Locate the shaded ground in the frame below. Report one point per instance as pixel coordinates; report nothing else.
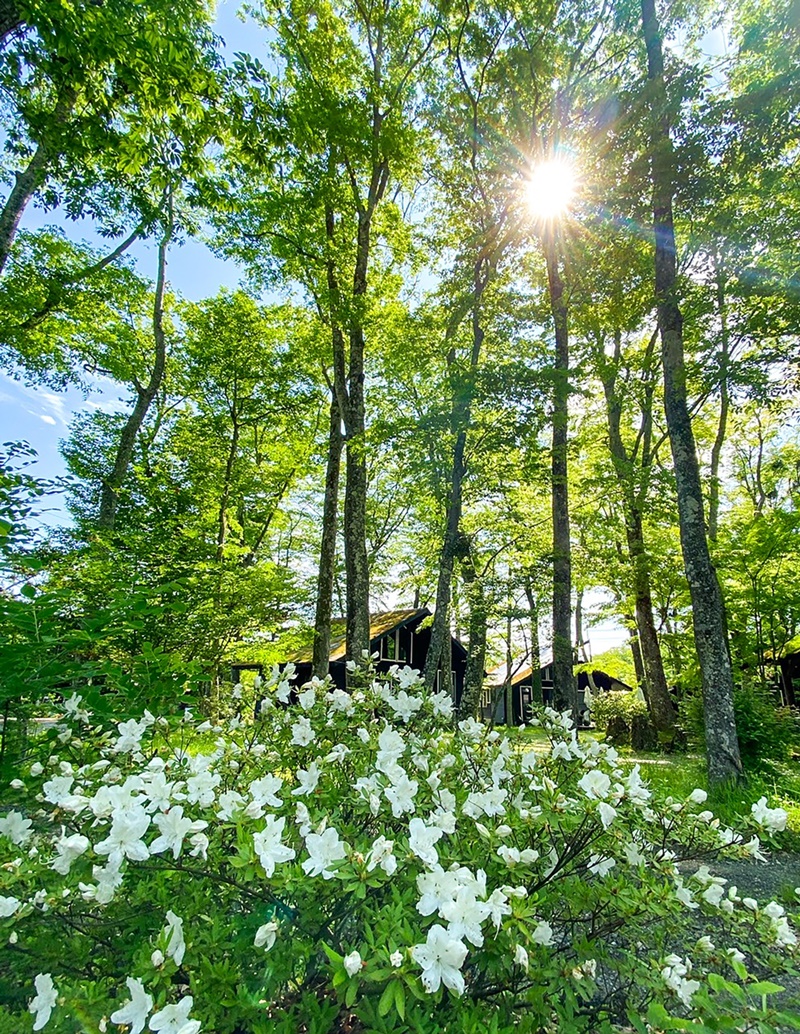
(763, 881)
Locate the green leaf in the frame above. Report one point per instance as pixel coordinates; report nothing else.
(765, 987)
(387, 998)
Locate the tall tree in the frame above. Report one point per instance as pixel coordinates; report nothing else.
(708, 608)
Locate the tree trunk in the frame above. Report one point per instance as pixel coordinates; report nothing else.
(327, 552)
(654, 682)
(27, 182)
(536, 656)
(724, 403)
(109, 495)
(476, 658)
(565, 690)
(224, 503)
(460, 418)
(440, 629)
(708, 610)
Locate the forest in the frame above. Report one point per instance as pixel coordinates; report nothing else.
(515, 339)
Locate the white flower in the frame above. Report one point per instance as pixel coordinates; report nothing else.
(713, 894)
(396, 959)
(199, 844)
(465, 914)
(228, 803)
(471, 729)
(542, 934)
(441, 959)
(560, 752)
(772, 819)
(601, 866)
(705, 943)
(41, 1005)
(8, 906)
(200, 788)
(498, 907)
(607, 814)
(421, 840)
(674, 975)
(266, 935)
(173, 828)
(698, 796)
(489, 802)
(176, 945)
(308, 780)
(352, 963)
(136, 1009)
(268, 846)
(302, 733)
(157, 958)
(401, 793)
(381, 855)
(264, 791)
(69, 848)
(323, 849)
(174, 1019)
(390, 749)
(404, 706)
(125, 839)
(16, 827)
(521, 957)
(442, 704)
(130, 736)
(595, 783)
(437, 888)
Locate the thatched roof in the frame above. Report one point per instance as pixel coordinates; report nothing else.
(379, 625)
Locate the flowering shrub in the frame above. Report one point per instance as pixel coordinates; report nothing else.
(352, 863)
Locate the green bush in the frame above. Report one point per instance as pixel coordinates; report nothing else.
(767, 732)
(356, 863)
(606, 706)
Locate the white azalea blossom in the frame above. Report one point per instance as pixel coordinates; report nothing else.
(135, 1011)
(176, 945)
(8, 906)
(174, 827)
(352, 963)
(268, 846)
(16, 827)
(440, 958)
(302, 732)
(266, 935)
(44, 1001)
(323, 851)
(68, 849)
(772, 819)
(174, 1019)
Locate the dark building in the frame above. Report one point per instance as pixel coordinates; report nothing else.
(494, 700)
(397, 639)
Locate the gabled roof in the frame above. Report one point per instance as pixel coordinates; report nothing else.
(379, 625)
(499, 676)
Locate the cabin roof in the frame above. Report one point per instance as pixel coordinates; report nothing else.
(379, 625)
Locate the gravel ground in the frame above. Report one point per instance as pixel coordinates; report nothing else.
(760, 880)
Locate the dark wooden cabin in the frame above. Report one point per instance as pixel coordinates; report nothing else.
(493, 702)
(397, 639)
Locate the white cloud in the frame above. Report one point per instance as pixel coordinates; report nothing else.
(47, 419)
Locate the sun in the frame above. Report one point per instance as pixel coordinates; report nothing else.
(550, 188)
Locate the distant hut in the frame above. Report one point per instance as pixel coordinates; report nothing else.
(398, 640)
